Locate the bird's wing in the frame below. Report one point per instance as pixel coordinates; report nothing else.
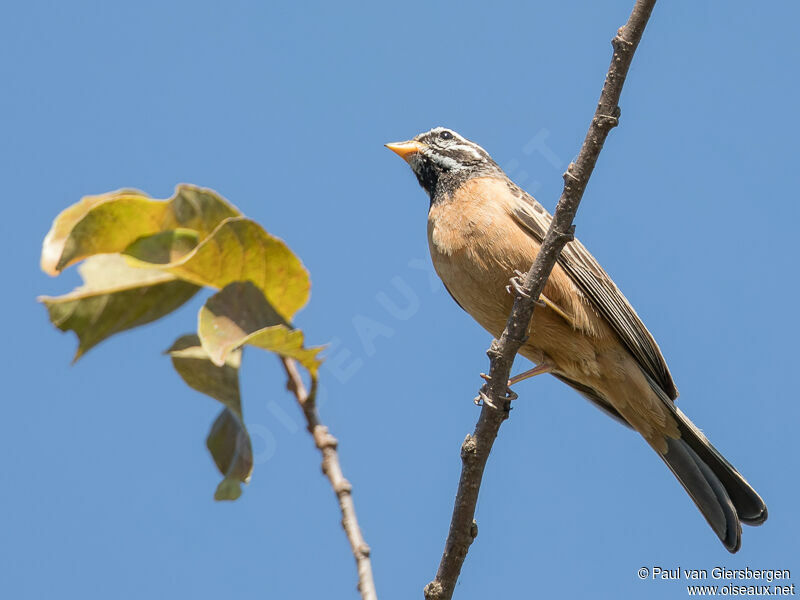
(601, 291)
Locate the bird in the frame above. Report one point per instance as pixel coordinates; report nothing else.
(483, 232)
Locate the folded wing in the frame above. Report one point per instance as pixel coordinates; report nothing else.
(601, 292)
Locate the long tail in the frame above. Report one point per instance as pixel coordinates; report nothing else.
(719, 491)
(723, 496)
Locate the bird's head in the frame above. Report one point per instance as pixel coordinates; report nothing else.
(441, 158)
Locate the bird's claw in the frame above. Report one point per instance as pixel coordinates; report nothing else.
(482, 399)
(519, 288)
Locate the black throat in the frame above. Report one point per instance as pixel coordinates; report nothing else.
(441, 184)
(427, 175)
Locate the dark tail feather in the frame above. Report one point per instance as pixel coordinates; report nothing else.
(706, 490)
(722, 495)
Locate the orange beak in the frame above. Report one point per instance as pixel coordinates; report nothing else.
(406, 150)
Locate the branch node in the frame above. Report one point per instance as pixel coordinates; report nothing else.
(569, 175)
(619, 42)
(607, 121)
(342, 487)
(323, 439)
(364, 550)
(473, 530)
(433, 591)
(468, 447)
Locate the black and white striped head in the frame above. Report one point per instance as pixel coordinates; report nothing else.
(441, 159)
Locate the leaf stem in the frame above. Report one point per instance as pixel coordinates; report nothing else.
(327, 445)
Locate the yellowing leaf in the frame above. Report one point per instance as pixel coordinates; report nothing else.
(240, 250)
(53, 245)
(289, 343)
(112, 225)
(115, 297)
(228, 440)
(111, 222)
(240, 314)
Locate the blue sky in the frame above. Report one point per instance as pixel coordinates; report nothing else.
(106, 487)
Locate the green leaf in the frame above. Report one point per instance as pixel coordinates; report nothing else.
(111, 222)
(228, 440)
(201, 209)
(229, 444)
(240, 250)
(165, 247)
(240, 314)
(193, 364)
(115, 297)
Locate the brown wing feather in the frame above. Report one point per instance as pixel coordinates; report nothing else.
(601, 291)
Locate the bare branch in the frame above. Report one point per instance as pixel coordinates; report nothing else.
(327, 445)
(495, 394)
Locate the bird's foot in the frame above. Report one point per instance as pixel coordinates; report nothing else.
(483, 398)
(516, 283)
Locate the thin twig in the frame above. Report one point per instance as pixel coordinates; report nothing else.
(327, 445)
(495, 393)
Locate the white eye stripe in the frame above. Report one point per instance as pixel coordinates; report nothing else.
(445, 161)
(466, 148)
(454, 144)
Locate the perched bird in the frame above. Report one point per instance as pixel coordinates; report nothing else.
(482, 229)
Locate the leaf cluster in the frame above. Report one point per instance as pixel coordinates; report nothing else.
(142, 258)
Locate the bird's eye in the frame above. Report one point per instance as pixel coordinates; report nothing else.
(446, 135)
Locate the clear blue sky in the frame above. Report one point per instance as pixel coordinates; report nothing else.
(106, 487)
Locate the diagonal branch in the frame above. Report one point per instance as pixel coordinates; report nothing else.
(495, 393)
(327, 445)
